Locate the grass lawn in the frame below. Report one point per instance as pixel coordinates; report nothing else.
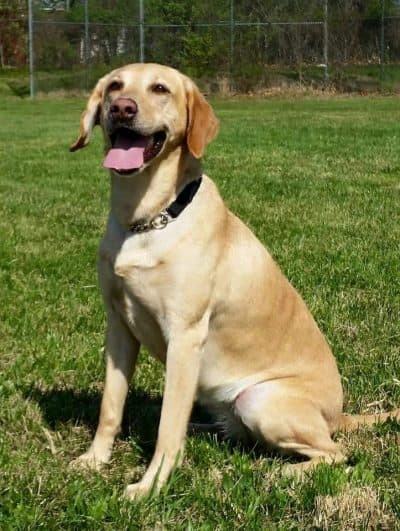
(319, 183)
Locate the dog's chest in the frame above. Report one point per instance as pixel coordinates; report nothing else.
(133, 275)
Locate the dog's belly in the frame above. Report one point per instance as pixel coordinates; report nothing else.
(226, 392)
(219, 388)
(222, 376)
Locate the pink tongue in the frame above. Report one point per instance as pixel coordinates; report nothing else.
(127, 153)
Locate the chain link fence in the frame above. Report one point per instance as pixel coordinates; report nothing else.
(236, 47)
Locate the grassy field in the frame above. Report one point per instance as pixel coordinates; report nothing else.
(319, 183)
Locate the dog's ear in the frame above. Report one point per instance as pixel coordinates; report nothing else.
(90, 116)
(202, 124)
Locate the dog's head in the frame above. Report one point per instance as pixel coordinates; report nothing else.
(146, 110)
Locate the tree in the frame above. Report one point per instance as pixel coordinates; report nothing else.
(13, 21)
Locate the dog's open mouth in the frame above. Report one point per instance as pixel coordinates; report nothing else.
(130, 150)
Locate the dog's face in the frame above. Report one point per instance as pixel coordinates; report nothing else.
(146, 110)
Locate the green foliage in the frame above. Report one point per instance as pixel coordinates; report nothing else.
(199, 55)
(175, 33)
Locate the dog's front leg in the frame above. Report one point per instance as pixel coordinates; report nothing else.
(182, 371)
(122, 349)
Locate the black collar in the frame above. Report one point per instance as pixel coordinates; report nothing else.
(171, 212)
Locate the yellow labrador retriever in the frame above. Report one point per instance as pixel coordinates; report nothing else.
(185, 277)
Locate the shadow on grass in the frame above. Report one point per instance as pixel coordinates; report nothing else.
(141, 419)
(82, 407)
(19, 88)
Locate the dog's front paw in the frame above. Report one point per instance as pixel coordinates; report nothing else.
(138, 490)
(88, 461)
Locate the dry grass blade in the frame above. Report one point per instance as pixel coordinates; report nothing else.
(357, 508)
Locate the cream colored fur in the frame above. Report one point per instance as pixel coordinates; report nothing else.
(204, 296)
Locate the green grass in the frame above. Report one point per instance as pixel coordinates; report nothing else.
(318, 182)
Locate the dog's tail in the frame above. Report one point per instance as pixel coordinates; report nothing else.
(352, 422)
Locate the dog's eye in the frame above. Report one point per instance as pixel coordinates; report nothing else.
(115, 85)
(159, 88)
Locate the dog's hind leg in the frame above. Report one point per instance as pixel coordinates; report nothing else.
(289, 422)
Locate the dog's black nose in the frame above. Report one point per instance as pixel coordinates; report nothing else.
(123, 108)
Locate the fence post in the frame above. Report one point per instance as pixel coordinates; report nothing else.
(232, 40)
(326, 37)
(86, 45)
(141, 31)
(30, 40)
(382, 39)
